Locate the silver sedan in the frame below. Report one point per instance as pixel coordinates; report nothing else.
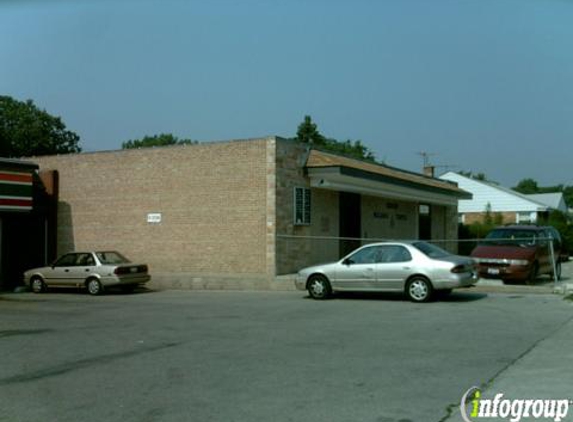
(93, 270)
(417, 268)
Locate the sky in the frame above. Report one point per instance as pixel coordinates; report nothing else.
(480, 85)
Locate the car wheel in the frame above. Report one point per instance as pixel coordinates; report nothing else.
(319, 287)
(419, 289)
(37, 285)
(533, 274)
(94, 287)
(558, 268)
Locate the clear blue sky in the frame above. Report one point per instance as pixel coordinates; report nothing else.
(485, 85)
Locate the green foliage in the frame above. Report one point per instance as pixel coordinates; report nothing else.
(529, 186)
(476, 176)
(568, 196)
(562, 223)
(163, 139)
(25, 130)
(308, 133)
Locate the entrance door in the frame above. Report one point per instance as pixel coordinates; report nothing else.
(424, 222)
(350, 217)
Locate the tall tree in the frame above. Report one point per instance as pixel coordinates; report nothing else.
(26, 130)
(308, 133)
(163, 139)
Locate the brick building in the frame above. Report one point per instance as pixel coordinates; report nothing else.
(236, 214)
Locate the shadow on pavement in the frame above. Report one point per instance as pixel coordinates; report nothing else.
(454, 297)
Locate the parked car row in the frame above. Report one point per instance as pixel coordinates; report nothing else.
(420, 269)
(423, 271)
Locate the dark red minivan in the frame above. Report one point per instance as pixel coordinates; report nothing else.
(518, 253)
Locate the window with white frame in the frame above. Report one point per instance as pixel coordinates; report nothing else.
(301, 206)
(525, 217)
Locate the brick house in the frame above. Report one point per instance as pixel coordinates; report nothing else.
(236, 214)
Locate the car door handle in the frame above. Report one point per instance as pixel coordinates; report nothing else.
(87, 270)
(67, 270)
(406, 268)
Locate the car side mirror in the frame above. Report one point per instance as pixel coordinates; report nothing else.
(348, 262)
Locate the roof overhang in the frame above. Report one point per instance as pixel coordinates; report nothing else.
(348, 179)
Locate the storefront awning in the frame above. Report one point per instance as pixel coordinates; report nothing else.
(330, 171)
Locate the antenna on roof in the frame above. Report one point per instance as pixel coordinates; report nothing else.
(426, 157)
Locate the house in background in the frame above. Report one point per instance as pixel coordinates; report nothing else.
(554, 201)
(513, 206)
(236, 214)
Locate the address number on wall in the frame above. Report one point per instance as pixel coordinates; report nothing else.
(154, 218)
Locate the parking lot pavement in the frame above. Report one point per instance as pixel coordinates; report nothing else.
(543, 373)
(258, 356)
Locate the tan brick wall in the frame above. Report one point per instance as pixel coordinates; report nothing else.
(292, 253)
(451, 229)
(325, 224)
(438, 214)
(213, 199)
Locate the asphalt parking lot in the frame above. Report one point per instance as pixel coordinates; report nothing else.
(258, 356)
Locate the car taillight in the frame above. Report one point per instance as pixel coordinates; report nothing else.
(459, 269)
(121, 270)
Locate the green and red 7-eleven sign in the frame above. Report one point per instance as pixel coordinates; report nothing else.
(16, 189)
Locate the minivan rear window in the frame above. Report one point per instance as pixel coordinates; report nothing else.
(512, 237)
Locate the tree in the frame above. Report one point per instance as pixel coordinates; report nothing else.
(527, 187)
(530, 186)
(163, 139)
(25, 130)
(308, 133)
(476, 176)
(568, 196)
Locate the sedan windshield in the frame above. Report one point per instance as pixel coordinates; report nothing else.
(430, 250)
(111, 258)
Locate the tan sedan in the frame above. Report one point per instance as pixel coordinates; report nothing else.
(92, 270)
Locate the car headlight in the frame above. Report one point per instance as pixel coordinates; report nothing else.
(522, 262)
